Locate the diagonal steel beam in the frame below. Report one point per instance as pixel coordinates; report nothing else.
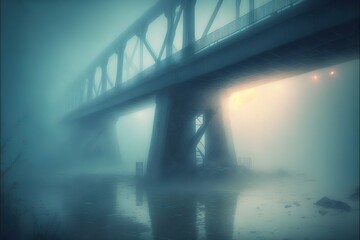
(150, 49)
(237, 8)
(212, 18)
(131, 63)
(201, 143)
(94, 91)
(97, 91)
(103, 81)
(200, 132)
(201, 153)
(90, 84)
(120, 64)
(109, 80)
(176, 23)
(174, 48)
(162, 47)
(134, 50)
(141, 55)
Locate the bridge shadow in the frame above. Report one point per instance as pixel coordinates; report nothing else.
(219, 214)
(90, 208)
(185, 214)
(173, 215)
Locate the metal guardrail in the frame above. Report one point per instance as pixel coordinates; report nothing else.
(259, 14)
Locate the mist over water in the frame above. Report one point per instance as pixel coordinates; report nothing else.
(296, 140)
(304, 125)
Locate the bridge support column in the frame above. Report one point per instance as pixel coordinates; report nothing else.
(171, 154)
(174, 138)
(219, 147)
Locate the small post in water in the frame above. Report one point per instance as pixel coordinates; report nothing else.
(139, 170)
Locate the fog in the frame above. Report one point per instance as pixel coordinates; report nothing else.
(44, 47)
(304, 127)
(297, 124)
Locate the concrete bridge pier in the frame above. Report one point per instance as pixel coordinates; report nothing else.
(219, 146)
(96, 139)
(173, 145)
(171, 151)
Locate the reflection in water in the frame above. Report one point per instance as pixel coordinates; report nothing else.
(88, 210)
(96, 207)
(139, 195)
(90, 206)
(177, 214)
(219, 214)
(173, 214)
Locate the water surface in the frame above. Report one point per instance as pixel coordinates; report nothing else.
(115, 207)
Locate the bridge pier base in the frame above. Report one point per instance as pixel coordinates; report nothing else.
(174, 139)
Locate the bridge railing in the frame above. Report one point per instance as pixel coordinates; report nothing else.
(244, 22)
(132, 55)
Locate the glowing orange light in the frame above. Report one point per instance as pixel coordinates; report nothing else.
(277, 86)
(239, 99)
(315, 78)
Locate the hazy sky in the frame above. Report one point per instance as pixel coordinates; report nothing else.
(46, 44)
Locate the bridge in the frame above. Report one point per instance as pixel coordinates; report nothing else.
(187, 70)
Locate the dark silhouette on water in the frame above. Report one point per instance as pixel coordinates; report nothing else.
(335, 204)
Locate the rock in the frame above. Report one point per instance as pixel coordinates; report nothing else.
(329, 203)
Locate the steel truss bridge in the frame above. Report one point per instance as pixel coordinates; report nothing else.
(173, 55)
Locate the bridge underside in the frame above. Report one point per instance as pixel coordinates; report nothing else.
(332, 46)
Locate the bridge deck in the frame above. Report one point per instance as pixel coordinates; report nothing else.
(311, 35)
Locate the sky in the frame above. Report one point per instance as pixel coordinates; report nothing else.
(46, 44)
(299, 124)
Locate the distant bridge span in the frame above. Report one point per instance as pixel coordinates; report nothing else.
(280, 38)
